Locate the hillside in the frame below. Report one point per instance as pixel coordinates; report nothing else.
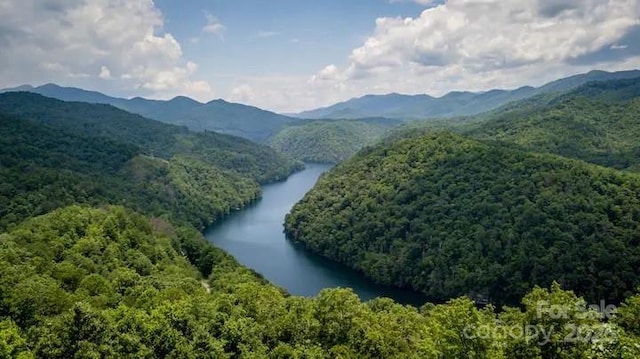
(44, 168)
(597, 123)
(82, 282)
(229, 118)
(327, 141)
(453, 104)
(107, 282)
(451, 216)
(153, 137)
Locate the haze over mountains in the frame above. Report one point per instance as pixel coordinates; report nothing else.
(414, 107)
(330, 141)
(218, 115)
(259, 125)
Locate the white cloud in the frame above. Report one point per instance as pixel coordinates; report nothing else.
(213, 26)
(330, 72)
(467, 45)
(482, 44)
(618, 47)
(84, 42)
(243, 94)
(105, 73)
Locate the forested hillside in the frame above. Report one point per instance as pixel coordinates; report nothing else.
(451, 216)
(154, 138)
(100, 281)
(327, 141)
(597, 123)
(43, 168)
(87, 283)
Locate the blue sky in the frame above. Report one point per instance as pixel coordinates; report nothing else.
(275, 36)
(292, 55)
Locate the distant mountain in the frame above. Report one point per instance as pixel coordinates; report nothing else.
(230, 118)
(596, 122)
(225, 117)
(154, 138)
(413, 107)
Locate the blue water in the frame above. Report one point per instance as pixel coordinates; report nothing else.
(254, 236)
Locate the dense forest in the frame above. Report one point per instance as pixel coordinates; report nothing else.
(451, 216)
(327, 141)
(101, 257)
(218, 115)
(597, 123)
(152, 137)
(108, 283)
(45, 168)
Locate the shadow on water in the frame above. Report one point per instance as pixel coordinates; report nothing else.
(254, 236)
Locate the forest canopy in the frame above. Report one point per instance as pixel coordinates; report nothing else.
(451, 216)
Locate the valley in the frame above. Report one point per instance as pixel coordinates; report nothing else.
(129, 235)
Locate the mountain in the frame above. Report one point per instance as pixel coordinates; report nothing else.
(597, 122)
(230, 118)
(452, 216)
(153, 137)
(329, 141)
(55, 153)
(45, 168)
(87, 279)
(218, 115)
(415, 107)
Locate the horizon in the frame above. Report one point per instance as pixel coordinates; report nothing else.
(291, 56)
(32, 86)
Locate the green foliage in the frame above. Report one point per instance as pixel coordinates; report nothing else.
(326, 141)
(153, 138)
(55, 153)
(451, 216)
(114, 307)
(106, 282)
(456, 103)
(45, 168)
(603, 133)
(596, 123)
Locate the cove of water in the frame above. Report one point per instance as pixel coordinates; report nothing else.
(254, 236)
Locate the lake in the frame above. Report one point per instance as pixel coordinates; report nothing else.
(254, 236)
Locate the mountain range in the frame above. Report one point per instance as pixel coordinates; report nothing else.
(259, 125)
(415, 107)
(218, 115)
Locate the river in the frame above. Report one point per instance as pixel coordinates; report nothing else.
(254, 236)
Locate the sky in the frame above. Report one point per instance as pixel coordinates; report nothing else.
(294, 55)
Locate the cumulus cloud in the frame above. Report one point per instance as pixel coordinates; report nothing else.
(471, 45)
(121, 41)
(482, 44)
